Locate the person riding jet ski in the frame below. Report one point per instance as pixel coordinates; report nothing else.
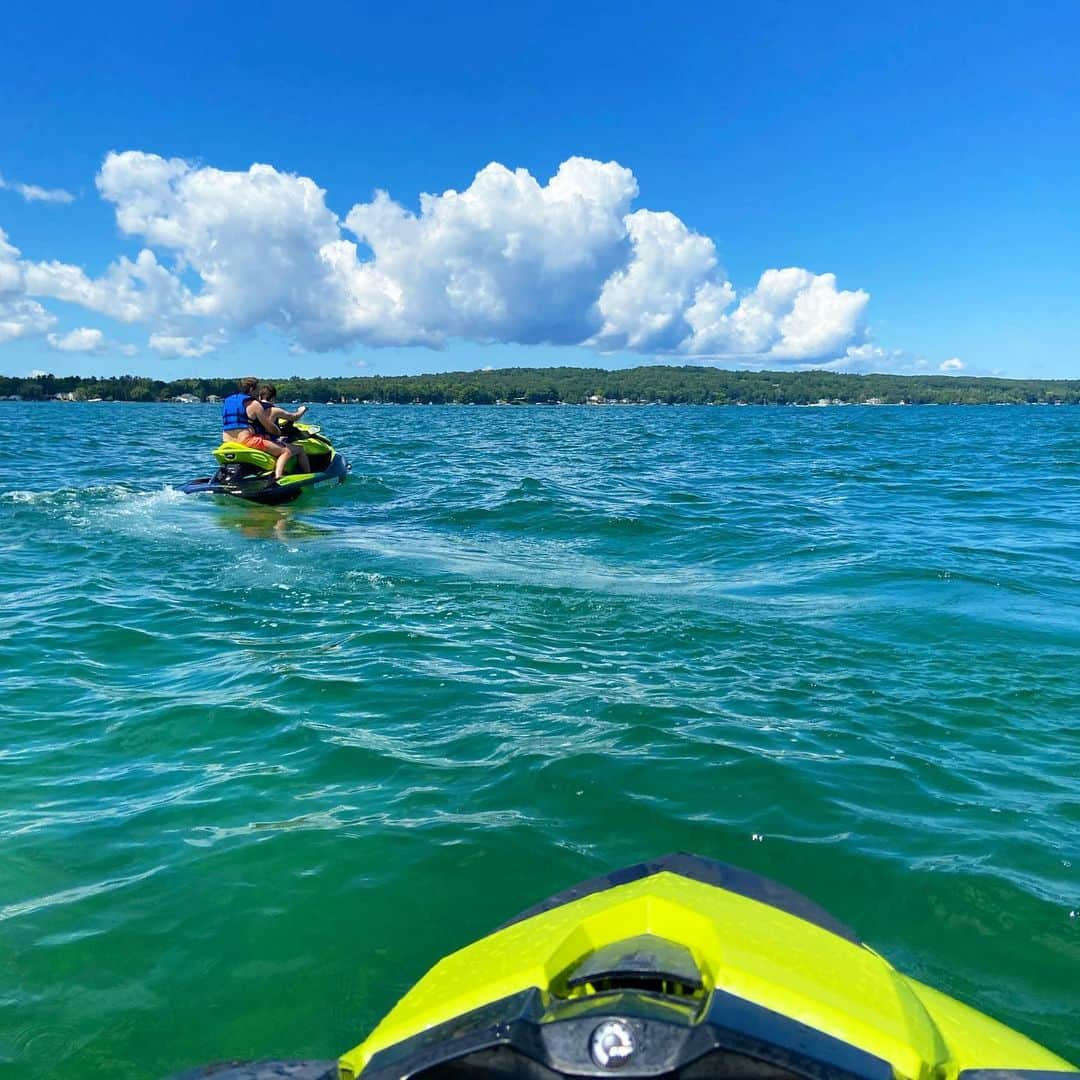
(262, 445)
(245, 420)
(268, 400)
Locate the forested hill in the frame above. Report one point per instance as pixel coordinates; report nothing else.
(529, 386)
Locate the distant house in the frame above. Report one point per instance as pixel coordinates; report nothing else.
(188, 399)
(213, 398)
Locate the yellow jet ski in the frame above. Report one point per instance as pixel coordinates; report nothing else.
(678, 969)
(245, 473)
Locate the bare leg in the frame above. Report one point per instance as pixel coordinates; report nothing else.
(282, 462)
(278, 451)
(300, 454)
(281, 451)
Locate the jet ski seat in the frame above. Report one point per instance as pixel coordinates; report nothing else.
(230, 453)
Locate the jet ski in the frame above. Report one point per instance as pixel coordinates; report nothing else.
(680, 969)
(246, 473)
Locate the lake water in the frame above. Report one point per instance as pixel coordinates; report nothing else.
(262, 767)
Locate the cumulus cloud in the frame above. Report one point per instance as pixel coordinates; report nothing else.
(129, 291)
(83, 339)
(870, 357)
(509, 259)
(11, 272)
(254, 239)
(23, 318)
(790, 315)
(644, 303)
(955, 364)
(171, 346)
(19, 316)
(33, 193)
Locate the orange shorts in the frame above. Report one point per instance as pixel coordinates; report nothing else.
(257, 442)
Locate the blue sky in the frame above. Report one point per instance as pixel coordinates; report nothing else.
(906, 180)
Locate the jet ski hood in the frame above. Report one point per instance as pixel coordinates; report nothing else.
(685, 968)
(680, 968)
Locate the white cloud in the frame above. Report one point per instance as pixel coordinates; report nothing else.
(12, 277)
(254, 239)
(870, 358)
(129, 291)
(19, 316)
(23, 318)
(644, 303)
(84, 339)
(955, 364)
(509, 259)
(792, 315)
(33, 193)
(506, 260)
(171, 346)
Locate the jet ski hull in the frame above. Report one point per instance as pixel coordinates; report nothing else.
(262, 488)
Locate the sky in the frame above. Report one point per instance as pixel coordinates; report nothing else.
(341, 188)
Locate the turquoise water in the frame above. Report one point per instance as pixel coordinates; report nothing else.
(261, 767)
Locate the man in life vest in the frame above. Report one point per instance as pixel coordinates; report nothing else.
(244, 419)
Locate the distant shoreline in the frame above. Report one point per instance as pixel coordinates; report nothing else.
(658, 384)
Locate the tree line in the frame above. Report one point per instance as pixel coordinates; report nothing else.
(658, 383)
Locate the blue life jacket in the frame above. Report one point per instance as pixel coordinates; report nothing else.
(234, 412)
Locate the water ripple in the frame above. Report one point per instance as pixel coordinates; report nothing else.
(324, 744)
